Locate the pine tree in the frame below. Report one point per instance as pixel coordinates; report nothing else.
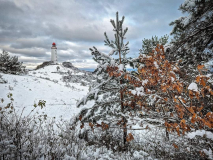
(193, 34)
(109, 88)
(149, 44)
(10, 64)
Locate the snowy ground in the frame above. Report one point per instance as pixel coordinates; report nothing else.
(44, 84)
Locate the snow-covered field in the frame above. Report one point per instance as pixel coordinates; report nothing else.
(44, 84)
(61, 98)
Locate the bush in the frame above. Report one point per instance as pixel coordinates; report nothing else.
(37, 136)
(2, 80)
(10, 64)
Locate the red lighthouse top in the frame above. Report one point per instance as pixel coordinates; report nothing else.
(53, 46)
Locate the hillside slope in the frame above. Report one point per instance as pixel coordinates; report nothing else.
(45, 84)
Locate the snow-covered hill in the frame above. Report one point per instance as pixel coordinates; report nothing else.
(47, 84)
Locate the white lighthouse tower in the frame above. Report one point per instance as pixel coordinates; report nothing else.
(54, 53)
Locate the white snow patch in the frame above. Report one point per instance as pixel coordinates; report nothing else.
(121, 67)
(111, 52)
(200, 133)
(156, 65)
(208, 152)
(139, 91)
(44, 84)
(193, 87)
(144, 82)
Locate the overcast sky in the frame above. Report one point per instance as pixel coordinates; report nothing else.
(29, 27)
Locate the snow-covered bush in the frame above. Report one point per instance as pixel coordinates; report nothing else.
(57, 68)
(2, 80)
(78, 78)
(10, 64)
(162, 93)
(83, 83)
(10, 88)
(55, 81)
(36, 136)
(46, 63)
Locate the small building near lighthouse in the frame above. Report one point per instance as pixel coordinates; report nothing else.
(54, 57)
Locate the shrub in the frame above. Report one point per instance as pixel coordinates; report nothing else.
(10, 64)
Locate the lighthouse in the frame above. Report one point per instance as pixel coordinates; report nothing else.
(54, 53)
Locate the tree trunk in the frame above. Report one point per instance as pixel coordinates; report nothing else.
(121, 93)
(124, 130)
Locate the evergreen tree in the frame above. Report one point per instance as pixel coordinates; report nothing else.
(149, 44)
(10, 64)
(193, 34)
(108, 90)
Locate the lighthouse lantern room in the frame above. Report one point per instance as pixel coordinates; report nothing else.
(54, 53)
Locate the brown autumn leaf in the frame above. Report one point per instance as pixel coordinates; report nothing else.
(203, 82)
(199, 67)
(191, 110)
(207, 123)
(209, 114)
(191, 94)
(202, 154)
(197, 95)
(98, 125)
(91, 125)
(163, 88)
(175, 146)
(175, 100)
(129, 137)
(139, 103)
(143, 71)
(163, 57)
(104, 126)
(198, 79)
(110, 74)
(157, 49)
(193, 119)
(125, 76)
(82, 125)
(178, 88)
(80, 117)
(183, 100)
(183, 121)
(199, 109)
(178, 131)
(202, 92)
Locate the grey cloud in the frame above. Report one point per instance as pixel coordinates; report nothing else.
(28, 28)
(75, 55)
(31, 60)
(78, 61)
(32, 42)
(33, 52)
